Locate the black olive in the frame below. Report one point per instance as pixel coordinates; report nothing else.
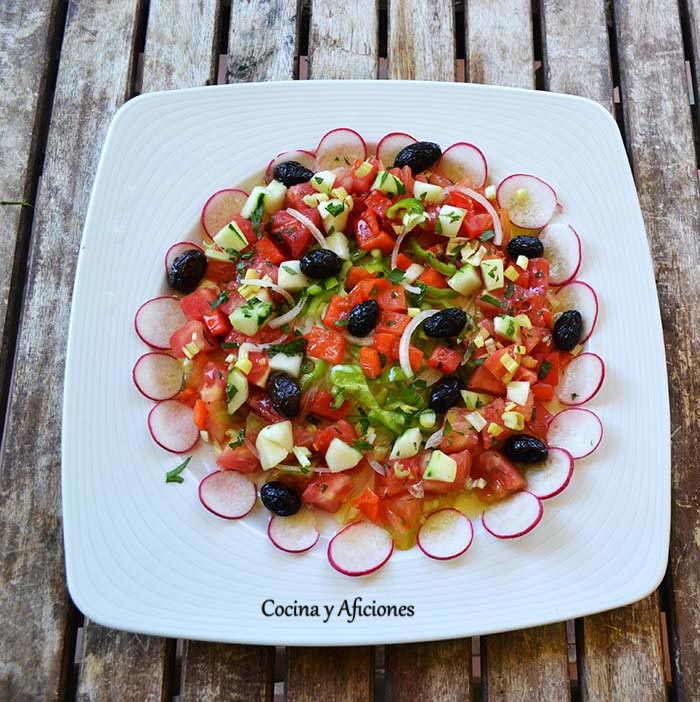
(292, 173)
(445, 394)
(363, 318)
(567, 330)
(284, 393)
(524, 448)
(280, 499)
(187, 270)
(445, 323)
(419, 156)
(529, 246)
(320, 263)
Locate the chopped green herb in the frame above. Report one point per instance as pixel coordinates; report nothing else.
(238, 441)
(545, 367)
(335, 208)
(257, 215)
(295, 347)
(510, 288)
(229, 344)
(289, 270)
(362, 445)
(173, 476)
(487, 235)
(491, 300)
(395, 275)
(340, 323)
(223, 297)
(231, 391)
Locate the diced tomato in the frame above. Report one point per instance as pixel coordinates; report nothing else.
(415, 358)
(494, 363)
(501, 476)
(403, 262)
(342, 430)
(233, 301)
(240, 459)
(546, 317)
(378, 203)
(431, 277)
(192, 331)
(260, 371)
(540, 417)
(475, 225)
(217, 323)
(220, 271)
(405, 175)
(326, 345)
(538, 268)
(198, 303)
(445, 359)
(482, 380)
(533, 337)
(218, 420)
(367, 289)
(328, 491)
(370, 362)
(338, 310)
(263, 266)
(459, 199)
(355, 275)
(401, 516)
(268, 250)
(392, 323)
(461, 435)
(303, 437)
(388, 345)
(297, 193)
(369, 234)
(525, 375)
(401, 473)
(550, 372)
(200, 414)
(246, 227)
(260, 404)
(322, 406)
(213, 382)
(368, 504)
(493, 414)
(393, 299)
(464, 462)
(188, 397)
(542, 391)
(292, 233)
(361, 184)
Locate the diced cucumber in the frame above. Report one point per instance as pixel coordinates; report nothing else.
(413, 272)
(259, 191)
(274, 443)
(492, 273)
(449, 220)
(363, 169)
(231, 237)
(334, 215)
(274, 197)
(236, 390)
(288, 364)
(425, 192)
(506, 326)
(441, 467)
(341, 456)
(518, 391)
(407, 445)
(314, 199)
(388, 184)
(427, 419)
(248, 318)
(466, 281)
(339, 244)
(290, 276)
(475, 400)
(315, 289)
(513, 420)
(323, 181)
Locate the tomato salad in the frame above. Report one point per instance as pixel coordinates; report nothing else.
(388, 338)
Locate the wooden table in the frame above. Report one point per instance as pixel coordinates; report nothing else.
(66, 67)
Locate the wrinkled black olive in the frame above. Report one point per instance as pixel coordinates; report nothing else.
(280, 499)
(363, 318)
(292, 173)
(567, 330)
(524, 448)
(445, 394)
(320, 263)
(529, 246)
(284, 393)
(419, 156)
(445, 323)
(187, 270)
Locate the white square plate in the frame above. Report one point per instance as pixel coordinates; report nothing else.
(144, 556)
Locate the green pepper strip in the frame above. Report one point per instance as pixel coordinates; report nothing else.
(319, 371)
(440, 293)
(410, 204)
(429, 256)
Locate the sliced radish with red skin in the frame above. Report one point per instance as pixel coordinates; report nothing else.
(533, 210)
(305, 158)
(445, 534)
(176, 249)
(562, 248)
(294, 534)
(157, 320)
(157, 376)
(552, 476)
(581, 380)
(579, 431)
(340, 147)
(515, 516)
(463, 161)
(360, 548)
(580, 296)
(172, 426)
(221, 208)
(228, 494)
(390, 145)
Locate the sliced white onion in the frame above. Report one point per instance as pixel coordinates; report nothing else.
(257, 348)
(411, 288)
(405, 342)
(497, 229)
(288, 316)
(430, 376)
(417, 490)
(318, 235)
(272, 286)
(376, 466)
(395, 251)
(434, 440)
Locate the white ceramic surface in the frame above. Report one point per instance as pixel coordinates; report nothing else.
(145, 556)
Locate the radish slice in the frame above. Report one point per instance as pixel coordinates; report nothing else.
(562, 248)
(360, 548)
(305, 158)
(445, 534)
(172, 426)
(582, 297)
(579, 431)
(293, 534)
(550, 477)
(176, 249)
(157, 376)
(340, 147)
(515, 516)
(390, 145)
(221, 208)
(464, 162)
(581, 379)
(530, 201)
(228, 494)
(157, 320)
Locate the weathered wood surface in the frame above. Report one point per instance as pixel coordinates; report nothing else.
(414, 53)
(344, 39)
(181, 44)
(429, 671)
(499, 43)
(93, 80)
(660, 142)
(262, 40)
(330, 674)
(226, 672)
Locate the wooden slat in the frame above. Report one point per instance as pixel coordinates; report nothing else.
(181, 44)
(343, 41)
(225, 672)
(528, 664)
(499, 43)
(413, 52)
(94, 76)
(262, 40)
(440, 670)
(330, 674)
